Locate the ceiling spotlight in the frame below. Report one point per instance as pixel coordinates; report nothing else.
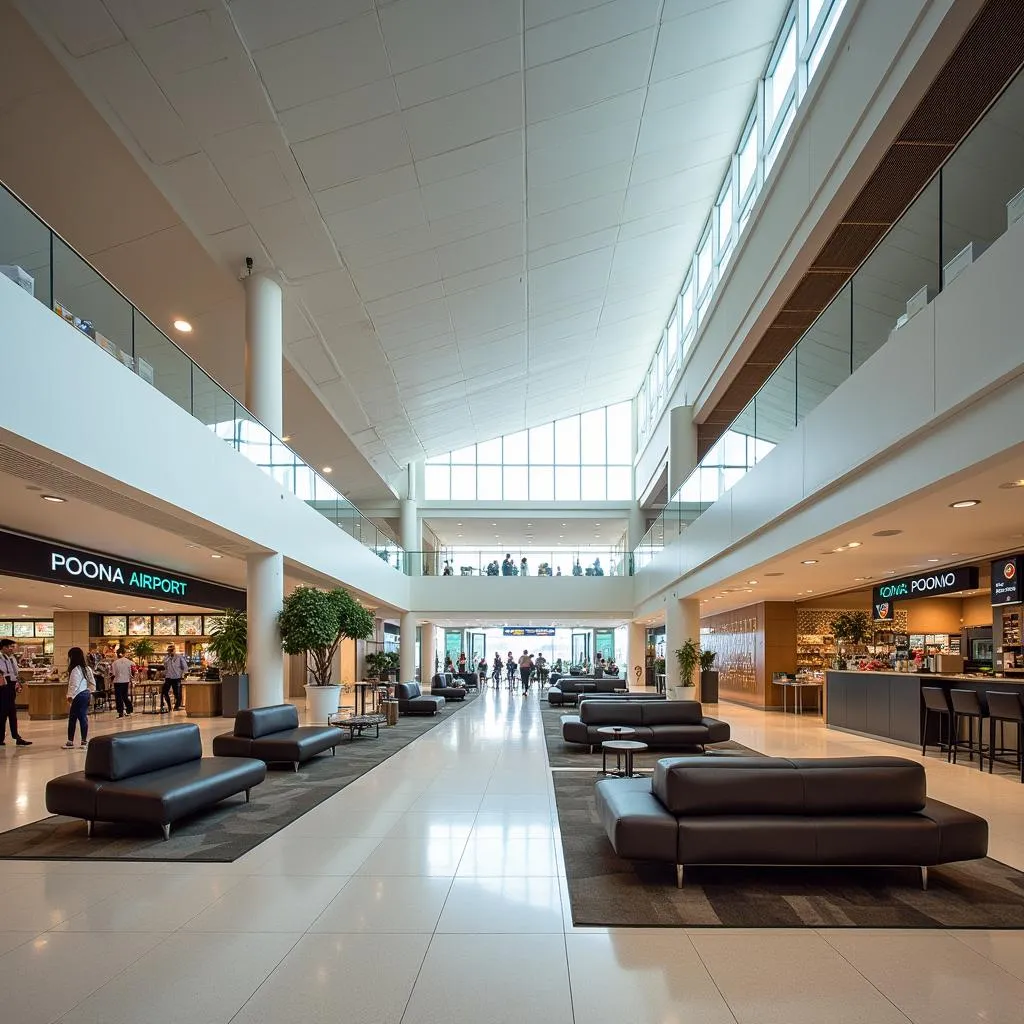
(854, 544)
(810, 561)
(327, 469)
(65, 595)
(286, 437)
(932, 559)
(1011, 484)
(965, 503)
(859, 579)
(215, 555)
(458, 524)
(53, 498)
(22, 605)
(887, 533)
(750, 583)
(183, 325)
(774, 574)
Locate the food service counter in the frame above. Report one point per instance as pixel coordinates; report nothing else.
(888, 704)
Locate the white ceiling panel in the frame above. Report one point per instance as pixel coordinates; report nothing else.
(459, 194)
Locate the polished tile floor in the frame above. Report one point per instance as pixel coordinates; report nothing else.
(432, 890)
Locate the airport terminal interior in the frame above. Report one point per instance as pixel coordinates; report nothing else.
(511, 510)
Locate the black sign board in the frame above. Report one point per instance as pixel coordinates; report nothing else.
(885, 611)
(36, 559)
(1006, 588)
(928, 584)
(902, 642)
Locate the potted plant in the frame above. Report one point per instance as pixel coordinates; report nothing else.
(314, 622)
(392, 665)
(850, 628)
(142, 651)
(708, 677)
(229, 644)
(688, 661)
(375, 663)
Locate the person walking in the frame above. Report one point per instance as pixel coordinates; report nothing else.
(496, 670)
(524, 569)
(508, 567)
(525, 670)
(81, 684)
(510, 670)
(10, 685)
(122, 671)
(175, 669)
(462, 661)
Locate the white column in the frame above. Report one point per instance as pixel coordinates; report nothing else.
(682, 622)
(682, 447)
(407, 648)
(426, 652)
(636, 652)
(264, 597)
(411, 535)
(264, 332)
(636, 526)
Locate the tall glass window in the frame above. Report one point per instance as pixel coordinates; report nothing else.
(586, 457)
(780, 77)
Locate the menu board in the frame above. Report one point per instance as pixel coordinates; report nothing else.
(115, 625)
(190, 625)
(140, 625)
(44, 629)
(165, 625)
(24, 630)
(6, 629)
(210, 622)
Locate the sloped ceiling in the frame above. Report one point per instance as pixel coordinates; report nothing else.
(467, 198)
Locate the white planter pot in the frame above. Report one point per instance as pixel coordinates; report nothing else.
(321, 702)
(687, 692)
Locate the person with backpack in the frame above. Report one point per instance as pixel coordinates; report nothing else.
(81, 685)
(525, 671)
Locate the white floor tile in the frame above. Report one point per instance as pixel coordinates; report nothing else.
(498, 857)
(391, 903)
(358, 979)
(45, 900)
(503, 905)
(304, 855)
(414, 855)
(492, 979)
(189, 979)
(1003, 948)
(270, 903)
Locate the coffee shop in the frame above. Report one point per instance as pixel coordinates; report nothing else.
(60, 597)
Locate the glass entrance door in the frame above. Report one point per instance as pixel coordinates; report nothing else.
(581, 648)
(477, 649)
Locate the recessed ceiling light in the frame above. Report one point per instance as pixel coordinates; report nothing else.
(53, 498)
(859, 579)
(750, 583)
(286, 437)
(932, 559)
(458, 524)
(327, 469)
(563, 524)
(887, 533)
(853, 544)
(965, 503)
(215, 555)
(65, 595)
(774, 574)
(22, 605)
(810, 561)
(458, 535)
(810, 591)
(1010, 484)
(183, 325)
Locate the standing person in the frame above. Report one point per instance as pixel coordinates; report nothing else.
(175, 669)
(462, 661)
(559, 572)
(81, 684)
(525, 669)
(496, 670)
(447, 569)
(10, 684)
(524, 569)
(510, 669)
(507, 568)
(121, 673)
(542, 669)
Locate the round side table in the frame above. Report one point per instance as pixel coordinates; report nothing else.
(620, 748)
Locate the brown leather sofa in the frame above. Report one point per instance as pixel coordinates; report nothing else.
(658, 723)
(153, 776)
(852, 811)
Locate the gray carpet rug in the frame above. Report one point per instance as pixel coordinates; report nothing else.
(605, 890)
(572, 755)
(233, 827)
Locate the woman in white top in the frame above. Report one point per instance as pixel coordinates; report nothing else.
(81, 684)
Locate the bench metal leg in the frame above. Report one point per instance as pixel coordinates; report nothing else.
(88, 828)
(167, 831)
(924, 878)
(295, 765)
(247, 796)
(679, 876)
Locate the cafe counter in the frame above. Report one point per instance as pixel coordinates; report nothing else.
(888, 704)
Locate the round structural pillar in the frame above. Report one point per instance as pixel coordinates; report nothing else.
(407, 648)
(636, 653)
(412, 535)
(264, 333)
(682, 622)
(427, 653)
(264, 597)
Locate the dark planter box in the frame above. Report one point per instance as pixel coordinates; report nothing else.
(234, 694)
(709, 687)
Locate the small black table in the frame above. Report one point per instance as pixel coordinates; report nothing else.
(620, 748)
(357, 723)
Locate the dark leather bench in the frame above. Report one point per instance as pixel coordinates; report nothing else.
(413, 701)
(567, 690)
(274, 735)
(664, 724)
(155, 776)
(850, 811)
(470, 680)
(443, 685)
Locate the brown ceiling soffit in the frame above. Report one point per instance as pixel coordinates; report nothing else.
(983, 63)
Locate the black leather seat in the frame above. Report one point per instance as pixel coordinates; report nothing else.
(443, 685)
(154, 775)
(412, 700)
(1005, 706)
(658, 723)
(567, 689)
(273, 734)
(773, 810)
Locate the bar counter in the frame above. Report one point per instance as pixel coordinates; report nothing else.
(888, 704)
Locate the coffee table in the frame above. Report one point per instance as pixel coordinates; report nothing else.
(617, 732)
(357, 723)
(620, 748)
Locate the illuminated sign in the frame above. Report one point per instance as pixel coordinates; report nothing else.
(1006, 588)
(932, 584)
(528, 631)
(885, 611)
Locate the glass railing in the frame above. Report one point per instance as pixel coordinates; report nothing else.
(42, 263)
(539, 561)
(969, 202)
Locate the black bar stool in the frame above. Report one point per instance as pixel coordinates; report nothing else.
(936, 702)
(967, 704)
(1005, 707)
